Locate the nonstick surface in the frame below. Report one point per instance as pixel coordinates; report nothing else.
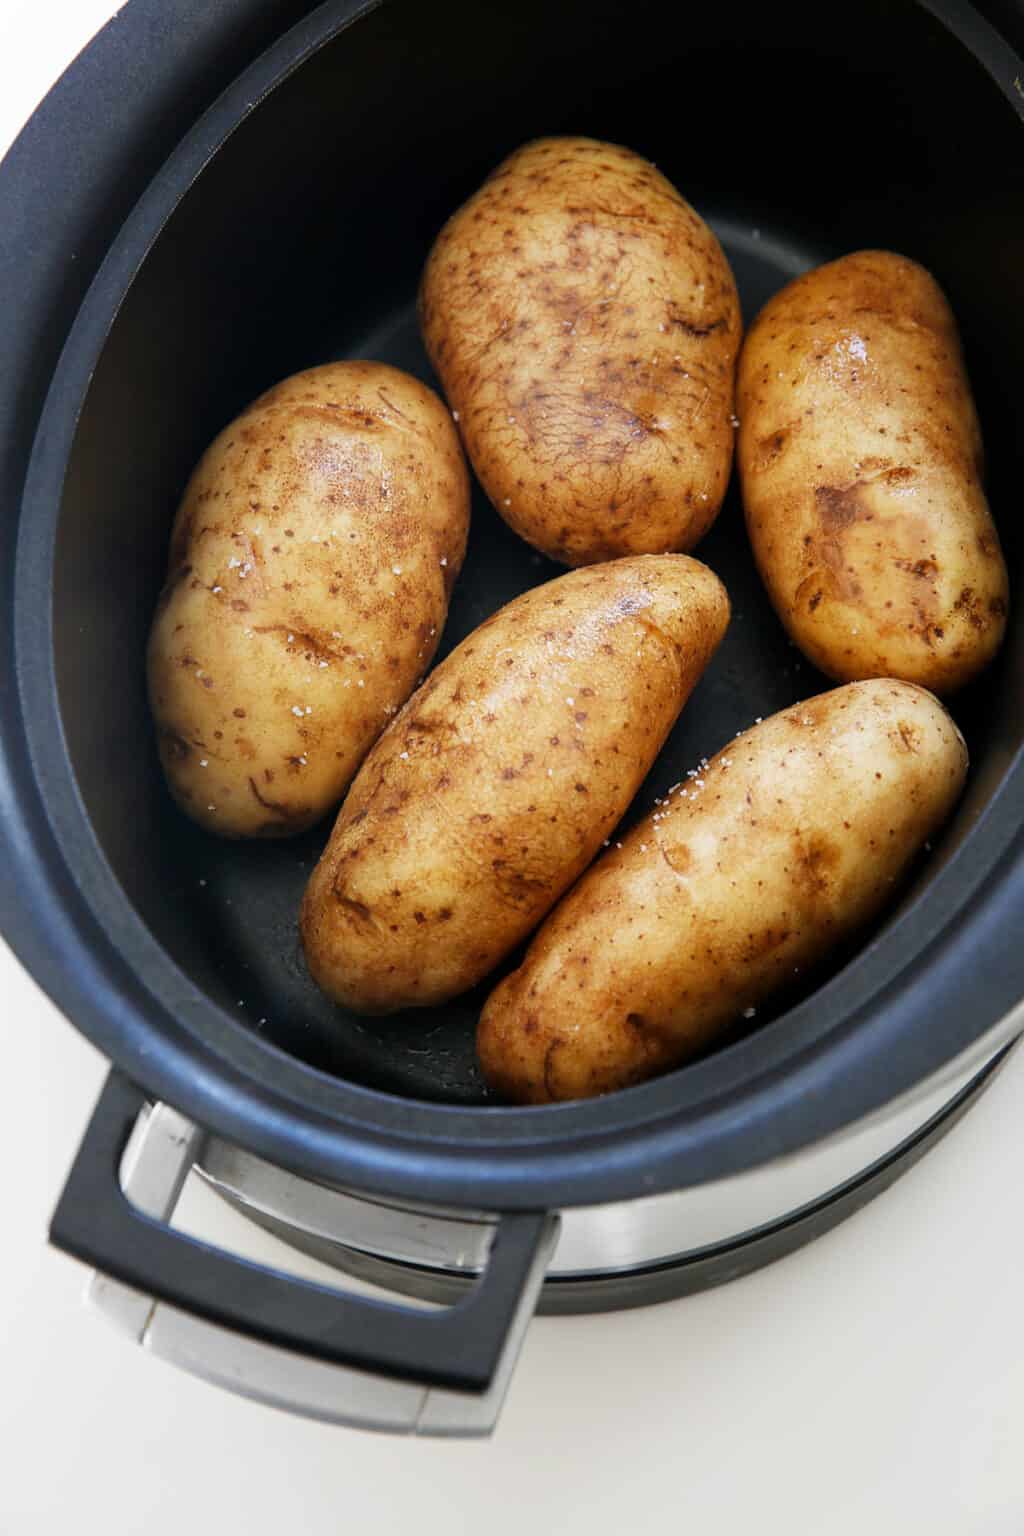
(249, 893)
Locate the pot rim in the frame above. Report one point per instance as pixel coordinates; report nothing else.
(902, 1009)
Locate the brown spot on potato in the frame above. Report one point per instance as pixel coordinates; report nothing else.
(816, 858)
(349, 907)
(762, 942)
(279, 808)
(549, 1057)
(969, 607)
(693, 327)
(768, 449)
(839, 505)
(926, 569)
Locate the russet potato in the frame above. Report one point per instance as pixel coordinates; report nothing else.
(787, 843)
(496, 785)
(584, 323)
(311, 563)
(861, 464)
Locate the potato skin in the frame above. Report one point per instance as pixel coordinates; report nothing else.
(792, 838)
(311, 562)
(585, 323)
(498, 782)
(861, 464)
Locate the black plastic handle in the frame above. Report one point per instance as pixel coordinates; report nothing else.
(458, 1348)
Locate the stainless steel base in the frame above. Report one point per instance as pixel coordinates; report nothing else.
(435, 1256)
(453, 1249)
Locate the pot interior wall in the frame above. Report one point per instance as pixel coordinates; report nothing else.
(798, 133)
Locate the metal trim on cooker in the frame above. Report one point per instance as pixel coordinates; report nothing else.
(595, 1240)
(155, 1163)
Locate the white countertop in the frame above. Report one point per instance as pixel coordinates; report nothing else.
(873, 1382)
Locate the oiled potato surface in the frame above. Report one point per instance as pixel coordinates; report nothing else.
(310, 567)
(861, 464)
(788, 841)
(584, 323)
(497, 784)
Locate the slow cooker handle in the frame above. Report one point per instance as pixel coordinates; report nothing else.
(272, 1335)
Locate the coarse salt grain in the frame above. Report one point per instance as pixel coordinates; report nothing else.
(297, 711)
(396, 570)
(360, 684)
(444, 560)
(323, 664)
(455, 415)
(204, 762)
(234, 563)
(211, 807)
(508, 501)
(570, 702)
(290, 639)
(217, 589)
(748, 1013)
(643, 847)
(404, 756)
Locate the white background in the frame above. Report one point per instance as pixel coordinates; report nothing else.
(872, 1383)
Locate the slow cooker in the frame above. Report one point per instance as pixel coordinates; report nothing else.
(213, 197)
